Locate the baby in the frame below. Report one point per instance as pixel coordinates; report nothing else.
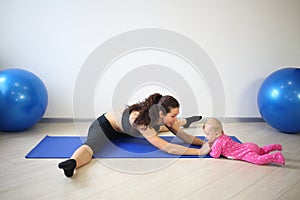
(221, 144)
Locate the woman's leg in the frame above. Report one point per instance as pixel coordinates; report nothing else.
(189, 120)
(177, 124)
(185, 122)
(83, 155)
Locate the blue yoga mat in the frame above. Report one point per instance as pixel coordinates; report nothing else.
(125, 147)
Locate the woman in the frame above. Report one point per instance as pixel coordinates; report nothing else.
(141, 119)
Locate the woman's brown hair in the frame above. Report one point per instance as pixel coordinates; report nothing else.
(149, 109)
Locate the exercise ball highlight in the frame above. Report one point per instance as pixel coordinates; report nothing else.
(23, 99)
(279, 100)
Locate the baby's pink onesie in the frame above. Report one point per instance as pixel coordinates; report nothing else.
(249, 152)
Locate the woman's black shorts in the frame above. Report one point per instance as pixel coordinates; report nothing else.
(101, 132)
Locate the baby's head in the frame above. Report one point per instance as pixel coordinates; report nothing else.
(212, 129)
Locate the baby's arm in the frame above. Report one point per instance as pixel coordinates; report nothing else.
(216, 149)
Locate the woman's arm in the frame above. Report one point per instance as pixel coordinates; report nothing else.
(187, 138)
(176, 149)
(190, 139)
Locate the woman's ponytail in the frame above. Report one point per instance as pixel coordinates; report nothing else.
(153, 99)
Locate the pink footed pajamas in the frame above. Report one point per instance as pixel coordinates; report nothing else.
(249, 152)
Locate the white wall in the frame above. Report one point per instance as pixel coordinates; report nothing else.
(245, 39)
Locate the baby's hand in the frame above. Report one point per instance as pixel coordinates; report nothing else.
(205, 149)
(210, 144)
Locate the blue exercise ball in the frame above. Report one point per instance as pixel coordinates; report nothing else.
(279, 100)
(23, 99)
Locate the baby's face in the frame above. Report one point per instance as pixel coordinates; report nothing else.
(210, 135)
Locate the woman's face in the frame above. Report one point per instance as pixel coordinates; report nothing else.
(171, 117)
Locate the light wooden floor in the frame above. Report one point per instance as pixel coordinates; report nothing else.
(22, 178)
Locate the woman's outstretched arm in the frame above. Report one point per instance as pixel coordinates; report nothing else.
(187, 138)
(170, 148)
